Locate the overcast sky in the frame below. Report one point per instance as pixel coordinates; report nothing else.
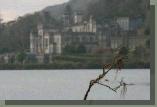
(11, 9)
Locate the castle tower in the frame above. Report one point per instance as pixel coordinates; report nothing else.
(57, 43)
(40, 30)
(32, 45)
(66, 19)
(75, 18)
(40, 39)
(92, 25)
(78, 17)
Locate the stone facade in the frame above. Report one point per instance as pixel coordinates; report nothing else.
(75, 23)
(89, 40)
(77, 31)
(123, 23)
(86, 26)
(45, 41)
(129, 23)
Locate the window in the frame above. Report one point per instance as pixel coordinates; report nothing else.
(46, 43)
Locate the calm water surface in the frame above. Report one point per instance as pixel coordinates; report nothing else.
(70, 85)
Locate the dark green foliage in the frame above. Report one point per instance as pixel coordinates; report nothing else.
(31, 59)
(123, 51)
(51, 22)
(21, 57)
(139, 58)
(113, 8)
(15, 35)
(46, 59)
(139, 52)
(81, 61)
(81, 49)
(69, 49)
(73, 49)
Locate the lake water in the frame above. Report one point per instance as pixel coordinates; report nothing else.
(70, 85)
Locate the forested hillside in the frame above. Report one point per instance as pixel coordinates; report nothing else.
(14, 36)
(114, 8)
(76, 5)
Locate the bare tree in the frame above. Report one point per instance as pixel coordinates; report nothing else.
(118, 62)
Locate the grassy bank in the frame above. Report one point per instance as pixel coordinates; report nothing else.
(77, 62)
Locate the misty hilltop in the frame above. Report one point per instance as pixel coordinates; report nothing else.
(77, 5)
(101, 7)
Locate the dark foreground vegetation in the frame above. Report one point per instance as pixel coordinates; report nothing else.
(137, 59)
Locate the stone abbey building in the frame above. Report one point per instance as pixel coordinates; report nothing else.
(121, 31)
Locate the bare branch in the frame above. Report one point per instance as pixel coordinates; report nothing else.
(117, 87)
(93, 82)
(107, 86)
(118, 62)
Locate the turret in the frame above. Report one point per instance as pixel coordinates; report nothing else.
(92, 25)
(78, 17)
(32, 43)
(40, 39)
(40, 30)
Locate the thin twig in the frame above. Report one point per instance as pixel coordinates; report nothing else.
(107, 86)
(117, 87)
